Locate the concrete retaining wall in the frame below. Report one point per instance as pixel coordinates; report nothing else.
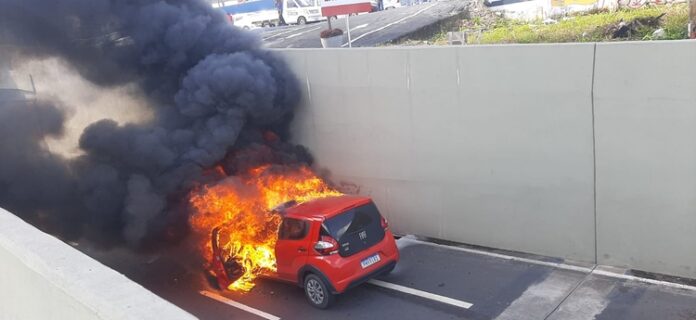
(645, 107)
(494, 145)
(44, 278)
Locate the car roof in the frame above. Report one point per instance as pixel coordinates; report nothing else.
(324, 208)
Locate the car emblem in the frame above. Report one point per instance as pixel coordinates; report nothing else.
(362, 235)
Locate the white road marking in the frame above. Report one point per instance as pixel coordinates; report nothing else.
(238, 305)
(536, 301)
(390, 24)
(643, 280)
(360, 26)
(280, 33)
(422, 294)
(502, 256)
(301, 33)
(586, 302)
(599, 270)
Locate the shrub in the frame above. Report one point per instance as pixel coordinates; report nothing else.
(596, 25)
(328, 33)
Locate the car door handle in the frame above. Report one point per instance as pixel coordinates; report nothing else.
(301, 249)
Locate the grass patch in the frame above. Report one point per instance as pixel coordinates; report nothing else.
(592, 27)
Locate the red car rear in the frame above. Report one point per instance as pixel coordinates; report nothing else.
(332, 244)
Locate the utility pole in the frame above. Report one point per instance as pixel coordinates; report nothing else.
(692, 19)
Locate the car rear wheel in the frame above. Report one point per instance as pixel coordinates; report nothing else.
(317, 292)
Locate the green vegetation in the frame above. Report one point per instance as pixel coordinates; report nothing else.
(598, 25)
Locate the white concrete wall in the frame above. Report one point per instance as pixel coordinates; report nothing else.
(493, 145)
(645, 107)
(480, 145)
(44, 278)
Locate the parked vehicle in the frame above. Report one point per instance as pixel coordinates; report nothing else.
(244, 21)
(302, 11)
(391, 4)
(386, 4)
(250, 14)
(264, 13)
(326, 246)
(492, 3)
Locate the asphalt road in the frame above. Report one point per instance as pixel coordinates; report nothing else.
(367, 30)
(427, 283)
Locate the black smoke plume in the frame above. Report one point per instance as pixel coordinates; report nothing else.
(217, 97)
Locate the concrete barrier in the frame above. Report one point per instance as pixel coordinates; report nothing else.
(495, 145)
(44, 278)
(645, 108)
(484, 145)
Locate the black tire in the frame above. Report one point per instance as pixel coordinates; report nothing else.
(301, 20)
(317, 292)
(212, 280)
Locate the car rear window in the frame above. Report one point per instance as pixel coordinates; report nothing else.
(355, 229)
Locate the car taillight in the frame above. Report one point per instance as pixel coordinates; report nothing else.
(326, 246)
(385, 224)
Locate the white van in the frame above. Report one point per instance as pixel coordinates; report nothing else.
(301, 11)
(251, 14)
(392, 4)
(386, 4)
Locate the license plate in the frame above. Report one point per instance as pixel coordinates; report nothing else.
(369, 261)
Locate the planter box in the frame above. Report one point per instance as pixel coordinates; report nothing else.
(333, 42)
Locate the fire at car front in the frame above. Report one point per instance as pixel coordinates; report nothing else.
(237, 214)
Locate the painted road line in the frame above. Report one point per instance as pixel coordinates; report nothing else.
(599, 270)
(422, 294)
(360, 26)
(674, 285)
(499, 255)
(238, 305)
(301, 33)
(282, 32)
(389, 24)
(540, 297)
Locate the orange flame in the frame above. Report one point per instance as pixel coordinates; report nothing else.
(241, 206)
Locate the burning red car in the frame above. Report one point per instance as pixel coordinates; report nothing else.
(326, 245)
